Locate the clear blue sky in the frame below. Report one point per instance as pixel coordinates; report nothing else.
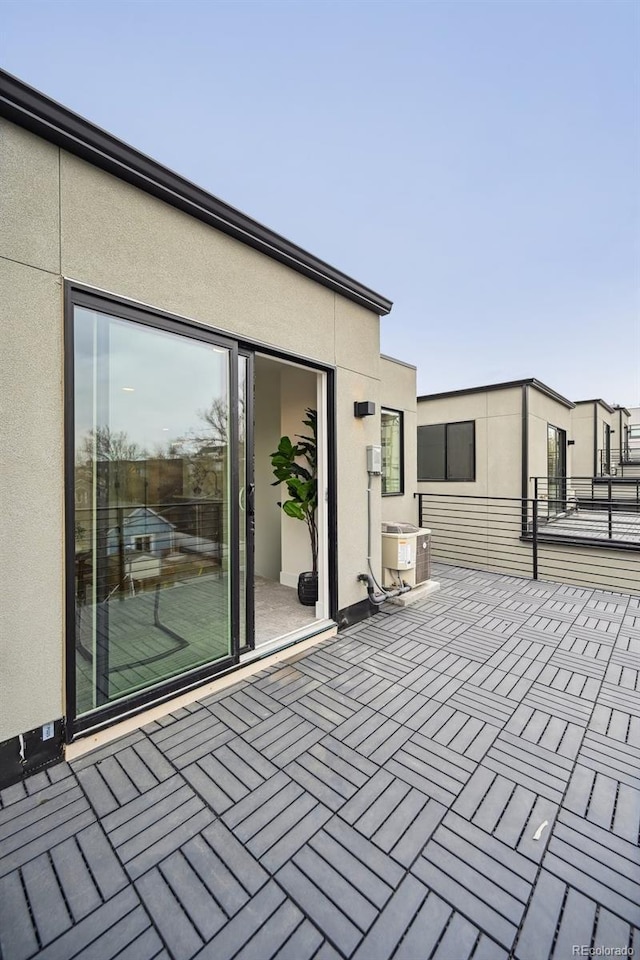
(477, 162)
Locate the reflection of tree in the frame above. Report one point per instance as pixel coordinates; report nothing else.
(104, 444)
(204, 450)
(131, 473)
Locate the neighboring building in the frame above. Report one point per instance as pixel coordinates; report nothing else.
(398, 433)
(493, 440)
(600, 433)
(157, 344)
(633, 434)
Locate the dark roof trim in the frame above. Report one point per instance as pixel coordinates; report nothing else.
(603, 403)
(34, 111)
(536, 384)
(624, 409)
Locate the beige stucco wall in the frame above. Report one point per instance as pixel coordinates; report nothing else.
(545, 411)
(61, 217)
(31, 493)
(267, 435)
(298, 392)
(398, 391)
(582, 435)
(498, 419)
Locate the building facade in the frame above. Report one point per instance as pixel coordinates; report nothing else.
(157, 344)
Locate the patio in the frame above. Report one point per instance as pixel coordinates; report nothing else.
(458, 779)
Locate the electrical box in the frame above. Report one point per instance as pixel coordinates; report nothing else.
(374, 459)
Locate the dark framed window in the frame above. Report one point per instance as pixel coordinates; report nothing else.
(447, 451)
(392, 438)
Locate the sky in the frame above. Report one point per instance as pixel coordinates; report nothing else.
(478, 162)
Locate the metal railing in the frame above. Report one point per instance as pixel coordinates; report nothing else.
(614, 464)
(609, 494)
(590, 544)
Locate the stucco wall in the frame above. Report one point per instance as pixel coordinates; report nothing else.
(398, 391)
(267, 435)
(498, 419)
(545, 411)
(31, 493)
(297, 393)
(582, 460)
(61, 217)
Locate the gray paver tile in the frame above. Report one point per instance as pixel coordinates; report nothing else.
(18, 939)
(535, 940)
(435, 770)
(436, 740)
(403, 914)
(169, 915)
(315, 903)
(191, 737)
(226, 776)
(303, 944)
(37, 823)
(104, 933)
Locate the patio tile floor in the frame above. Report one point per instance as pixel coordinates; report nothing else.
(458, 779)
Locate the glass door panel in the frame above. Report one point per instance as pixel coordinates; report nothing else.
(152, 506)
(246, 498)
(556, 470)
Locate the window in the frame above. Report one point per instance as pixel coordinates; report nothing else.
(447, 451)
(392, 446)
(142, 544)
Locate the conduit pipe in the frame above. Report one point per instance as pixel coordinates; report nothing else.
(369, 578)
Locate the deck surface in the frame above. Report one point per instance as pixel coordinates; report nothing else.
(458, 779)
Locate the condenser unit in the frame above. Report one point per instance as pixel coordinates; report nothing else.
(406, 554)
(399, 546)
(423, 556)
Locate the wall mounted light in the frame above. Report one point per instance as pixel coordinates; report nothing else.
(364, 408)
(570, 443)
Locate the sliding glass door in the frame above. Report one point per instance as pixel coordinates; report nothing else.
(156, 522)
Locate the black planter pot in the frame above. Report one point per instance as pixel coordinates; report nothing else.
(308, 588)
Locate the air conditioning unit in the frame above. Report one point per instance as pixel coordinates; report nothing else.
(399, 546)
(406, 554)
(423, 556)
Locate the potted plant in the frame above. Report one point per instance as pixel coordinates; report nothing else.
(296, 464)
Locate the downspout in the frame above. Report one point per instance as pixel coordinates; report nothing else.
(525, 455)
(595, 438)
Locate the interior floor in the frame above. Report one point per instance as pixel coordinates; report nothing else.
(278, 610)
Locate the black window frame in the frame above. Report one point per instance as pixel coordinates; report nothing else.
(400, 414)
(446, 479)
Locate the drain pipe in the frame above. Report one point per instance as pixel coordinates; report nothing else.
(369, 578)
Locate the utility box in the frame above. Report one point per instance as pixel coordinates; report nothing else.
(406, 553)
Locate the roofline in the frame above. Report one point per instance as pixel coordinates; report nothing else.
(624, 409)
(402, 363)
(536, 384)
(603, 403)
(27, 107)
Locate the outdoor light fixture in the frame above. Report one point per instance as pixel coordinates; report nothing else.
(570, 443)
(364, 408)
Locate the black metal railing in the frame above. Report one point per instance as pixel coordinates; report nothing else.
(617, 464)
(585, 542)
(612, 494)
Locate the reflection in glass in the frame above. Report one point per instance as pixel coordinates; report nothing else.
(151, 506)
(391, 436)
(556, 470)
(244, 493)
